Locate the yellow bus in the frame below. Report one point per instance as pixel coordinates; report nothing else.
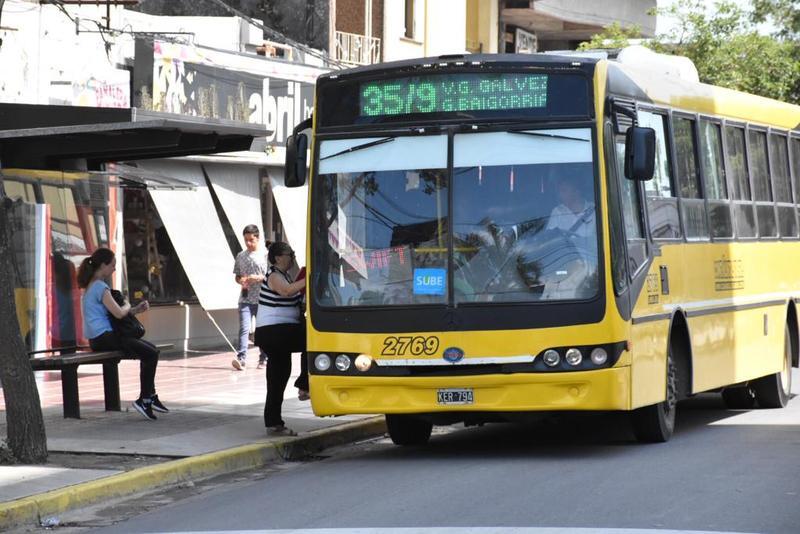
(495, 235)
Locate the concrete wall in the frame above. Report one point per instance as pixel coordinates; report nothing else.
(482, 20)
(603, 12)
(50, 62)
(40, 51)
(440, 28)
(188, 327)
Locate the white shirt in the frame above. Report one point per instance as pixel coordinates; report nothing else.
(563, 218)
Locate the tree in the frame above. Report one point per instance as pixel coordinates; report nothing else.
(24, 421)
(614, 36)
(726, 49)
(785, 15)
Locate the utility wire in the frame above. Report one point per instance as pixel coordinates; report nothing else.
(165, 35)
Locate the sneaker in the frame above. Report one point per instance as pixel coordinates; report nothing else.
(157, 405)
(261, 364)
(303, 395)
(146, 409)
(238, 364)
(280, 430)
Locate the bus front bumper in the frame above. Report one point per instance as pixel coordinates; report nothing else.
(602, 389)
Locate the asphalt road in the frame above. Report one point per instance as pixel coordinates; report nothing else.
(723, 470)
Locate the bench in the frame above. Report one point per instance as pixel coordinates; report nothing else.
(67, 361)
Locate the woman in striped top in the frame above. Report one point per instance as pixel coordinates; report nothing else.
(280, 331)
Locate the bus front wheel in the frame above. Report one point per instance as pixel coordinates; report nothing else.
(408, 430)
(773, 391)
(656, 423)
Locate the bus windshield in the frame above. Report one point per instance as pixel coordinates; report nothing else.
(523, 219)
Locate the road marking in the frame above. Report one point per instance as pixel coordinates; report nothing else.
(464, 530)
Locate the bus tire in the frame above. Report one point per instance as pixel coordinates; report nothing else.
(773, 391)
(741, 398)
(408, 430)
(656, 423)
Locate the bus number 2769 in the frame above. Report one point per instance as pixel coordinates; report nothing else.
(417, 345)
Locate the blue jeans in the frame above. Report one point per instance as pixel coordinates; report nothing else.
(246, 312)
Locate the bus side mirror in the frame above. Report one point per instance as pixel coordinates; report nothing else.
(295, 167)
(640, 153)
(295, 164)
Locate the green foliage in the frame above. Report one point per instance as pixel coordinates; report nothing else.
(785, 14)
(615, 36)
(726, 48)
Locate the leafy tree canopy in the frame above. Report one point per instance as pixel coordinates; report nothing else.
(785, 14)
(725, 46)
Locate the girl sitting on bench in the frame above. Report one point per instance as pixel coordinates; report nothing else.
(97, 304)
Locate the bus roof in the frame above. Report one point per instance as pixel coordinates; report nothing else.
(451, 60)
(644, 85)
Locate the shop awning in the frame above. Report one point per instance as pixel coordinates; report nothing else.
(292, 205)
(238, 189)
(196, 233)
(53, 137)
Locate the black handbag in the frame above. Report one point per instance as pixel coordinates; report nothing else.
(128, 326)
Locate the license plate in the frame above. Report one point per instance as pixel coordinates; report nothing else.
(455, 396)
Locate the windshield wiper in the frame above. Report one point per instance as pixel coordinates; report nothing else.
(542, 134)
(360, 147)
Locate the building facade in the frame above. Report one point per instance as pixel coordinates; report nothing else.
(371, 31)
(529, 26)
(175, 223)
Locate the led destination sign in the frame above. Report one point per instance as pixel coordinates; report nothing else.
(453, 93)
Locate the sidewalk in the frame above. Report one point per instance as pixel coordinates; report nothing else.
(215, 426)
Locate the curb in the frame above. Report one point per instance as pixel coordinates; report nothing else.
(36, 508)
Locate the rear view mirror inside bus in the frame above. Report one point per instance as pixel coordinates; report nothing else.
(640, 153)
(295, 165)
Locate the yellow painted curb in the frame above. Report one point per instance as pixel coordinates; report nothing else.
(34, 508)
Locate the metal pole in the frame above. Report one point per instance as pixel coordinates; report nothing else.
(220, 330)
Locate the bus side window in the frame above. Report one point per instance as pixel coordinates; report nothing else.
(779, 158)
(619, 272)
(719, 209)
(794, 147)
(662, 204)
(631, 211)
(762, 190)
(743, 214)
(693, 207)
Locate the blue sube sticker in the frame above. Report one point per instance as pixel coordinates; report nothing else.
(429, 281)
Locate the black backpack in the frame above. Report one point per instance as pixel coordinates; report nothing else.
(128, 326)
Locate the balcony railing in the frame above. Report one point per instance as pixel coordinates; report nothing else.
(357, 49)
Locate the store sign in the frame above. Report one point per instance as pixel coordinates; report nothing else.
(525, 42)
(188, 87)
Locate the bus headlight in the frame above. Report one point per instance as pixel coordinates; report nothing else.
(322, 362)
(363, 362)
(342, 362)
(599, 356)
(573, 357)
(551, 357)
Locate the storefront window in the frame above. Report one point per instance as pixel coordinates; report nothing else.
(154, 271)
(74, 207)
